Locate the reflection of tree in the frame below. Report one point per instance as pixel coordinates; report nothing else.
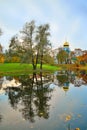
(1, 81)
(27, 102)
(13, 96)
(33, 95)
(75, 77)
(83, 74)
(1, 118)
(23, 95)
(27, 97)
(9, 78)
(42, 98)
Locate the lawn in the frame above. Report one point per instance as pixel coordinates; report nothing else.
(23, 68)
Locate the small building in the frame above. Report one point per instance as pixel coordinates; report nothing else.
(78, 52)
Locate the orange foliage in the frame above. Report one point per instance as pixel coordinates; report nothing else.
(79, 58)
(85, 57)
(82, 58)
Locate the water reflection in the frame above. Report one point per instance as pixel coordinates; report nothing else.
(31, 96)
(77, 78)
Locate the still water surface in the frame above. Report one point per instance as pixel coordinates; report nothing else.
(44, 102)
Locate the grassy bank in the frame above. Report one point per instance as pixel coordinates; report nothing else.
(73, 66)
(17, 68)
(23, 68)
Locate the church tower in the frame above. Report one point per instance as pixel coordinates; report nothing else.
(66, 47)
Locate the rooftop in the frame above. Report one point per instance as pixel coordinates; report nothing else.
(66, 44)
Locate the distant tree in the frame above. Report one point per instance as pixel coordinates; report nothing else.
(13, 45)
(47, 59)
(62, 57)
(7, 57)
(13, 50)
(82, 59)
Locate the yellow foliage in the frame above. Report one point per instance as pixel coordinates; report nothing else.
(15, 59)
(2, 59)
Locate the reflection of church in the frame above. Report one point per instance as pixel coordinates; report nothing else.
(66, 86)
(62, 79)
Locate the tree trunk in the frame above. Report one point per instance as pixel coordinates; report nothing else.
(41, 62)
(33, 64)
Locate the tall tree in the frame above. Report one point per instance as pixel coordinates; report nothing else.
(28, 41)
(43, 41)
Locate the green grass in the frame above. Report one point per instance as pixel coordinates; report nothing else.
(17, 68)
(7, 68)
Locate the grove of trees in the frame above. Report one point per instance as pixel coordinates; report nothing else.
(31, 46)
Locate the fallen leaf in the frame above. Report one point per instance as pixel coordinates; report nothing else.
(68, 117)
(77, 128)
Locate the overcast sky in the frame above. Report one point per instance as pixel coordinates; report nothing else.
(67, 19)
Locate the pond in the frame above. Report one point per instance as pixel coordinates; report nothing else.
(44, 101)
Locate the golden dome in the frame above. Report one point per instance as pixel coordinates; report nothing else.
(66, 44)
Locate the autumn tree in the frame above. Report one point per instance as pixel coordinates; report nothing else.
(82, 59)
(42, 41)
(28, 36)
